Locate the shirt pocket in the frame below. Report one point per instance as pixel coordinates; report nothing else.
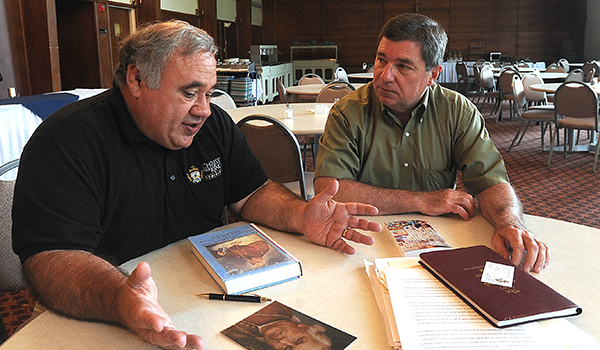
(431, 180)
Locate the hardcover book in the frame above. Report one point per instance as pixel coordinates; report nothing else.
(244, 258)
(414, 237)
(503, 301)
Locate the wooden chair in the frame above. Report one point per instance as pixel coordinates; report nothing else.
(278, 151)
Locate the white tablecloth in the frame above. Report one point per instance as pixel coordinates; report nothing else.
(18, 123)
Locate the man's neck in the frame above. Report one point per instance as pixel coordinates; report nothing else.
(405, 116)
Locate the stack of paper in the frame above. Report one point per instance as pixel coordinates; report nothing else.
(421, 313)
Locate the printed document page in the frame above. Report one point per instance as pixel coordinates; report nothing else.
(430, 316)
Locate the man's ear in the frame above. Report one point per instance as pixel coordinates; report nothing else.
(435, 73)
(134, 80)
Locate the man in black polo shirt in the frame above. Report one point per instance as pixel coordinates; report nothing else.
(138, 167)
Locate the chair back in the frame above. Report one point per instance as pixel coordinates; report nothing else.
(506, 79)
(590, 66)
(555, 68)
(532, 95)
(334, 91)
(518, 91)
(575, 75)
(461, 69)
(341, 75)
(276, 148)
(310, 78)
(488, 82)
(222, 99)
(283, 97)
(576, 100)
(563, 62)
(11, 276)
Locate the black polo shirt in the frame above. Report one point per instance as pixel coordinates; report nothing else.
(90, 180)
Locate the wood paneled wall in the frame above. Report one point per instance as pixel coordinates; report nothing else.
(518, 28)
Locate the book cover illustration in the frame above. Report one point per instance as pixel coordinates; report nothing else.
(245, 254)
(415, 236)
(243, 258)
(239, 250)
(278, 326)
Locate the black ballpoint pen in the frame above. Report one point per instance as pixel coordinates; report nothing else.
(229, 297)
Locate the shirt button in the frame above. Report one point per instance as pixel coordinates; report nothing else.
(407, 134)
(406, 165)
(172, 177)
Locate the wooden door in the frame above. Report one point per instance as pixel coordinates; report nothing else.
(121, 25)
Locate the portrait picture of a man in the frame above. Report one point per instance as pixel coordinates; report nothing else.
(278, 326)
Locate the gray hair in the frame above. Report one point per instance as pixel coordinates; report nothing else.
(151, 46)
(421, 29)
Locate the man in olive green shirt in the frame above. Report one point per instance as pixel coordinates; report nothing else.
(398, 143)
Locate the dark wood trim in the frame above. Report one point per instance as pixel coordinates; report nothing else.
(244, 27)
(18, 47)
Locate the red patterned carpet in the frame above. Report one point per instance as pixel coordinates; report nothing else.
(567, 190)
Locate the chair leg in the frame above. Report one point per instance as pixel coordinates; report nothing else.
(543, 127)
(304, 154)
(517, 135)
(552, 143)
(596, 154)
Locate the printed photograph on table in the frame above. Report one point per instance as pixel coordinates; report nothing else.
(415, 236)
(278, 326)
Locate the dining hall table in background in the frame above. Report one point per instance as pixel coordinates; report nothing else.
(312, 89)
(360, 77)
(335, 288)
(307, 120)
(546, 76)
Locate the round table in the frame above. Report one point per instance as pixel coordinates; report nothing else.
(305, 121)
(335, 288)
(311, 89)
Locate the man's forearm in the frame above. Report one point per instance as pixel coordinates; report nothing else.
(275, 206)
(388, 201)
(76, 283)
(500, 205)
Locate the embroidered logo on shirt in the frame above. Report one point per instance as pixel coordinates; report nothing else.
(208, 171)
(194, 175)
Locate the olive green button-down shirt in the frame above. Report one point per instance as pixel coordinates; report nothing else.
(365, 142)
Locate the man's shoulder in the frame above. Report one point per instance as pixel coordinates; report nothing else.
(359, 104)
(85, 122)
(78, 113)
(441, 93)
